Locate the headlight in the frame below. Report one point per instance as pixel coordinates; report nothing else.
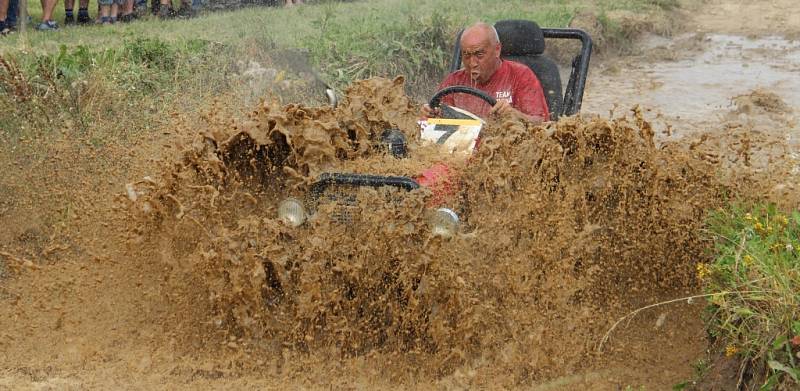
(444, 222)
(291, 212)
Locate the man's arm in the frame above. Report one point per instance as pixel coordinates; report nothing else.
(529, 100)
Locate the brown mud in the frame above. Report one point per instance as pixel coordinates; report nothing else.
(185, 278)
(570, 227)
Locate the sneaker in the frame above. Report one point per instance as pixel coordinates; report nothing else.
(141, 11)
(128, 18)
(185, 12)
(165, 12)
(47, 25)
(69, 20)
(84, 19)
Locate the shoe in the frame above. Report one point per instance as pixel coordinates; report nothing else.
(165, 12)
(47, 25)
(185, 12)
(84, 19)
(141, 10)
(69, 20)
(128, 18)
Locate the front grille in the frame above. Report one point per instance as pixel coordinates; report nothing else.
(343, 197)
(346, 204)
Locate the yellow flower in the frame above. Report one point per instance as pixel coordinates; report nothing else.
(748, 217)
(702, 271)
(730, 350)
(782, 220)
(748, 260)
(758, 226)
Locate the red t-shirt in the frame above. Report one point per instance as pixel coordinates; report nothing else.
(513, 82)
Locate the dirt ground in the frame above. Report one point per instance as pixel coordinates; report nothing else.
(126, 293)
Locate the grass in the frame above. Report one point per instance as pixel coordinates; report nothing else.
(758, 264)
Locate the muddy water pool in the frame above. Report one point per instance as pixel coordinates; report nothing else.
(701, 84)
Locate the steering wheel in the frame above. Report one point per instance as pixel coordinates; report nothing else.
(436, 100)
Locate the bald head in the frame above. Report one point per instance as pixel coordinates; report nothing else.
(480, 52)
(480, 31)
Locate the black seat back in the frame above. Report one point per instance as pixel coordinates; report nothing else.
(523, 41)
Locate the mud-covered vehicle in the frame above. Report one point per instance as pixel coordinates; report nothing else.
(456, 133)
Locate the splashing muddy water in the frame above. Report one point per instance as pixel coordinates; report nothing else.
(569, 226)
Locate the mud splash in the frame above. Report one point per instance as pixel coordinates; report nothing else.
(568, 227)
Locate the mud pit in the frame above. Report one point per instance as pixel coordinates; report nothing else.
(571, 226)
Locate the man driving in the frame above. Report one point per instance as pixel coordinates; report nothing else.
(515, 87)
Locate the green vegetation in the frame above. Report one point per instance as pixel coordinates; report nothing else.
(754, 281)
(107, 92)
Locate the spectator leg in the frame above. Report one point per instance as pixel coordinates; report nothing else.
(105, 14)
(11, 13)
(3, 14)
(127, 8)
(47, 10)
(165, 8)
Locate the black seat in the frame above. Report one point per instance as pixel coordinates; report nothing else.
(523, 42)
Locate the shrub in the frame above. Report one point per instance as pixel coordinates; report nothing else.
(754, 283)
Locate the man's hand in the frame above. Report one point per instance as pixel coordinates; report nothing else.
(503, 109)
(427, 112)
